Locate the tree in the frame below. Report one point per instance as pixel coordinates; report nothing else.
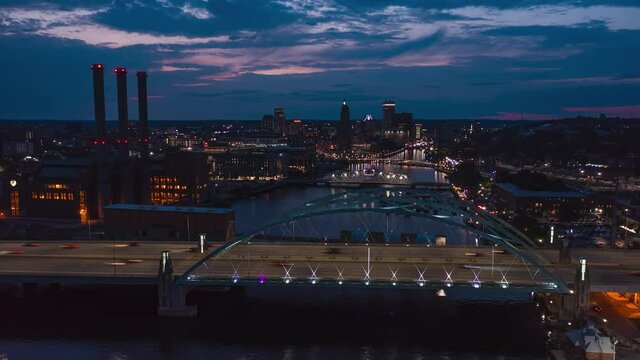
(466, 175)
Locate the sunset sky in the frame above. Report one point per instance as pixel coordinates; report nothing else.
(238, 59)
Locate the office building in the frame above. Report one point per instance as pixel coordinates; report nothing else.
(344, 128)
(388, 111)
(279, 121)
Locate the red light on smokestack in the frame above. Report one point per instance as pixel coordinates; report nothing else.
(96, 66)
(120, 70)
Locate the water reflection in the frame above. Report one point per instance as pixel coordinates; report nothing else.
(251, 213)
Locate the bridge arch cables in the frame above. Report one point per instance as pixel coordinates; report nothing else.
(381, 237)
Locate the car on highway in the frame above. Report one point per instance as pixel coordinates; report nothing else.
(11, 252)
(635, 273)
(115, 263)
(32, 244)
(470, 254)
(69, 246)
(134, 261)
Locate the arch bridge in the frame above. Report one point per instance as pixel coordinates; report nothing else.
(381, 238)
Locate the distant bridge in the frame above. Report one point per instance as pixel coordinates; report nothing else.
(376, 177)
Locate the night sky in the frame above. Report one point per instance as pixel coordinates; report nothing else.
(238, 59)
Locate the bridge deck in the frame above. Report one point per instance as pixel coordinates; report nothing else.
(92, 263)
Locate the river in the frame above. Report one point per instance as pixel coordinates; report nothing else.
(115, 323)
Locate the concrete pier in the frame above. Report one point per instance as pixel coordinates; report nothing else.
(172, 297)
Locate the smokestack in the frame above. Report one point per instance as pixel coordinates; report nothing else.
(103, 194)
(98, 102)
(143, 115)
(123, 116)
(143, 195)
(125, 188)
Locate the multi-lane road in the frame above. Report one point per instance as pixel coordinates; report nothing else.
(90, 261)
(380, 263)
(119, 262)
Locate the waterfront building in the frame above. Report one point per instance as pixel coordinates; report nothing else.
(537, 203)
(416, 133)
(181, 178)
(262, 163)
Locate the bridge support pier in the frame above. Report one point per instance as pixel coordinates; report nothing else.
(582, 290)
(172, 298)
(564, 256)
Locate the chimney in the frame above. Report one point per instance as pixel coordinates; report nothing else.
(98, 102)
(122, 141)
(123, 117)
(143, 195)
(143, 115)
(100, 142)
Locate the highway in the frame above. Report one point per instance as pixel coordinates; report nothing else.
(303, 262)
(91, 261)
(380, 263)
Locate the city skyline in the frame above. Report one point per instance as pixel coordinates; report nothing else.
(234, 60)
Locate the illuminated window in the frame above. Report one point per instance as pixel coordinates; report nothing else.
(84, 213)
(15, 203)
(56, 186)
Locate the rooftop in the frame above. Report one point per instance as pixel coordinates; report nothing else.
(180, 209)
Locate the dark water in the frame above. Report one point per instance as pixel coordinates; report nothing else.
(118, 323)
(251, 213)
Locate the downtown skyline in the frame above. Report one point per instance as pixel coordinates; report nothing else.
(239, 59)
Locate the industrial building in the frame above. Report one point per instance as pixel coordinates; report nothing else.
(149, 222)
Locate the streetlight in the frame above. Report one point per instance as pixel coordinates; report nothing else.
(202, 242)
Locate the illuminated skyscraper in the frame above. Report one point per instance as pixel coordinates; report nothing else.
(344, 128)
(388, 111)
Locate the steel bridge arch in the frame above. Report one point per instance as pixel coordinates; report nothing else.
(418, 203)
